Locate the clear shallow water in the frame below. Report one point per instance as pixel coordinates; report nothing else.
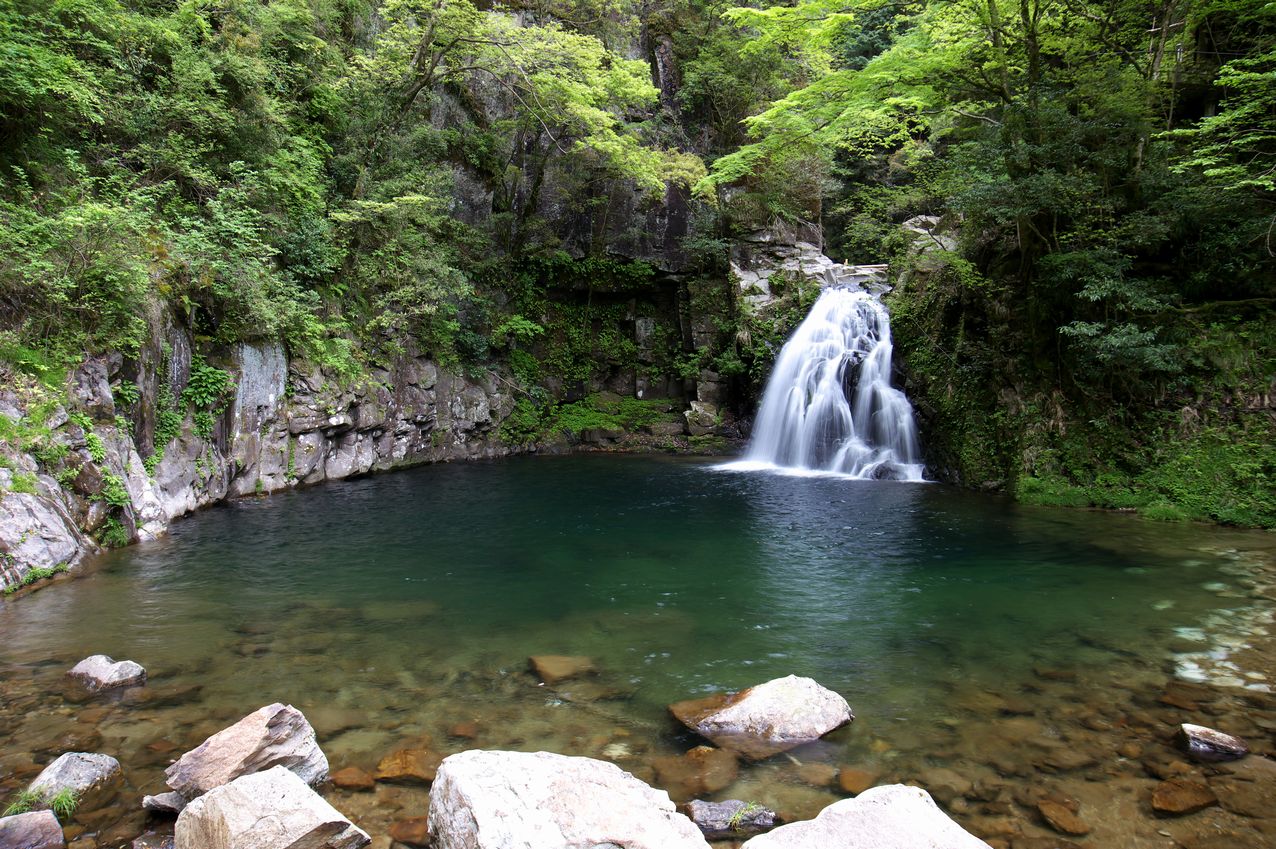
(392, 607)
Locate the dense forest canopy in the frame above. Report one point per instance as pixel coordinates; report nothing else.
(355, 177)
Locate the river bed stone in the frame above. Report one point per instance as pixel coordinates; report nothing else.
(265, 810)
(32, 830)
(494, 800)
(888, 817)
(766, 719)
(100, 672)
(273, 735)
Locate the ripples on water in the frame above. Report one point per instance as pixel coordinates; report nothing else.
(411, 602)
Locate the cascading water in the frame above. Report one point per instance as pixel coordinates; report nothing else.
(829, 406)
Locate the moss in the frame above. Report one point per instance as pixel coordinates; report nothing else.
(1163, 511)
(24, 482)
(113, 534)
(36, 574)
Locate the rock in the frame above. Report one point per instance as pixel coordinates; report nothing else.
(1061, 819)
(37, 532)
(889, 817)
(464, 730)
(702, 418)
(730, 819)
(271, 809)
(1180, 796)
(552, 668)
(171, 802)
(1164, 768)
(274, 735)
(701, 772)
(34, 830)
(502, 800)
(352, 778)
(1249, 789)
(1066, 760)
(817, 775)
(151, 840)
(945, 785)
(100, 672)
(93, 778)
(773, 717)
(409, 766)
(1206, 744)
(414, 831)
(855, 781)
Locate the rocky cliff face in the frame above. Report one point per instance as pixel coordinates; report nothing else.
(74, 475)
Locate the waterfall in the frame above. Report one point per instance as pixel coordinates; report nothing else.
(829, 406)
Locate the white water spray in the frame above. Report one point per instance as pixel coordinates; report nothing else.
(829, 407)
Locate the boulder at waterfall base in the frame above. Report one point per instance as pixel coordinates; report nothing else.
(276, 735)
(100, 672)
(767, 719)
(893, 816)
(33, 830)
(496, 800)
(91, 777)
(273, 809)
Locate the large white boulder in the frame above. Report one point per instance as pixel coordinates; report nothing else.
(273, 809)
(526, 800)
(893, 816)
(101, 672)
(34, 830)
(767, 719)
(276, 735)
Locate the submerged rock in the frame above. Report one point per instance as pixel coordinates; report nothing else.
(552, 668)
(414, 831)
(171, 802)
(271, 809)
(889, 817)
(409, 766)
(353, 778)
(151, 840)
(730, 819)
(767, 719)
(93, 778)
(701, 772)
(856, 781)
(1061, 818)
(501, 800)
(276, 735)
(1180, 796)
(34, 830)
(101, 672)
(1206, 744)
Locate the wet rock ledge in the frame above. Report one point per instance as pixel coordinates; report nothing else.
(121, 463)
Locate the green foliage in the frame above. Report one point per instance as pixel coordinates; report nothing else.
(207, 387)
(126, 393)
(113, 534)
(741, 814)
(63, 803)
(25, 800)
(31, 361)
(96, 449)
(525, 423)
(23, 482)
(113, 491)
(33, 575)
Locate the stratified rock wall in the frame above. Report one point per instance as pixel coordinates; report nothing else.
(289, 423)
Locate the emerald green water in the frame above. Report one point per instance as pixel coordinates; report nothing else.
(392, 607)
